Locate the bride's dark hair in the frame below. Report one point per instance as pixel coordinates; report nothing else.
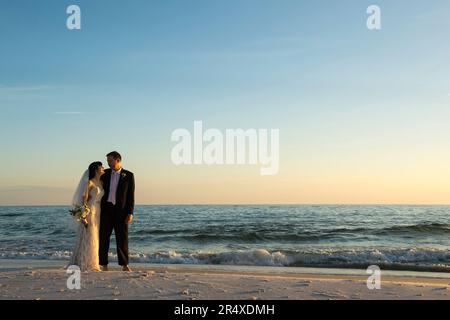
(93, 167)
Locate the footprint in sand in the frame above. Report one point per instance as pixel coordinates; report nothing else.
(440, 289)
(303, 284)
(185, 292)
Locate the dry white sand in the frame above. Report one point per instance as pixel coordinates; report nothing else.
(153, 281)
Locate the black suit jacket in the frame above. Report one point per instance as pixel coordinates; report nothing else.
(125, 190)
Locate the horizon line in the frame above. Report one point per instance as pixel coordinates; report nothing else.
(246, 204)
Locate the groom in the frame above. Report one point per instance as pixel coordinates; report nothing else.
(116, 210)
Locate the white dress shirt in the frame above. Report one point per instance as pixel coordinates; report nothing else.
(114, 182)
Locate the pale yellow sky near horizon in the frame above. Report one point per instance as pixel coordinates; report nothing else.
(233, 185)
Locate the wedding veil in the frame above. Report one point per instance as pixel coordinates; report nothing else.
(77, 199)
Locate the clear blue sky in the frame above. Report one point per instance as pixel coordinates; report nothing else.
(348, 101)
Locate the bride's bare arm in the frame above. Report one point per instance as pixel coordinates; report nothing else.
(86, 196)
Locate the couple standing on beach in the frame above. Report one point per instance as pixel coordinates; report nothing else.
(108, 196)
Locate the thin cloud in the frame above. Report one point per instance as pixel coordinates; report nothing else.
(14, 89)
(33, 188)
(267, 47)
(35, 195)
(71, 112)
(24, 92)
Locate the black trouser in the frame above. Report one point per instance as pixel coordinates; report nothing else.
(112, 218)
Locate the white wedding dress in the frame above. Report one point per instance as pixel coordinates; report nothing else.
(85, 253)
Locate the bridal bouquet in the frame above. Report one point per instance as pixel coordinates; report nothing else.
(80, 213)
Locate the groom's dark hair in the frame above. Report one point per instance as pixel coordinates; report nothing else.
(115, 155)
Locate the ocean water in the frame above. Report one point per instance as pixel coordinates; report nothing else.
(393, 237)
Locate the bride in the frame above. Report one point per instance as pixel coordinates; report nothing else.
(90, 192)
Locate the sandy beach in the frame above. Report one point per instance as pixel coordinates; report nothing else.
(47, 280)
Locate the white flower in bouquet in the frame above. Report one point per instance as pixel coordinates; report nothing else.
(80, 213)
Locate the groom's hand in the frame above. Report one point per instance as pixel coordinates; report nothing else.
(129, 219)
